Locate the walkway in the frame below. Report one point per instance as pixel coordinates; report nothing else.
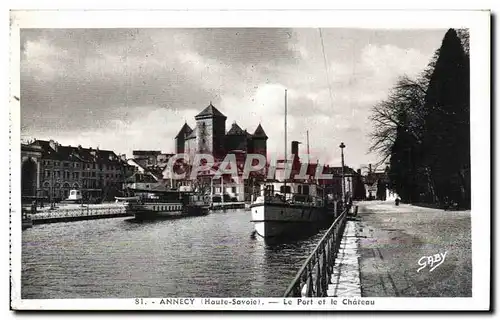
(345, 280)
(395, 242)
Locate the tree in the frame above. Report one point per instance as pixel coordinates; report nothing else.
(446, 140)
(403, 108)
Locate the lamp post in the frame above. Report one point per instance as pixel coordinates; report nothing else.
(342, 146)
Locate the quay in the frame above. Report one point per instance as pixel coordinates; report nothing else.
(378, 249)
(77, 213)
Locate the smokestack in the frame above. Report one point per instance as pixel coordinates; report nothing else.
(295, 153)
(295, 148)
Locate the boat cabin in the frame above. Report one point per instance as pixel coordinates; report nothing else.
(294, 192)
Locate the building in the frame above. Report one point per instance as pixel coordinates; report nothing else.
(143, 181)
(146, 157)
(153, 162)
(31, 156)
(376, 181)
(50, 171)
(209, 136)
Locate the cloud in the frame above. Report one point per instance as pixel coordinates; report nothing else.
(117, 88)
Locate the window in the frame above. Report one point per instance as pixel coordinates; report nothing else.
(93, 174)
(305, 189)
(233, 189)
(93, 165)
(47, 173)
(66, 164)
(284, 189)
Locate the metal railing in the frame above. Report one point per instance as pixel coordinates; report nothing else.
(314, 276)
(78, 212)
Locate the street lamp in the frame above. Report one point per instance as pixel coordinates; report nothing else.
(342, 146)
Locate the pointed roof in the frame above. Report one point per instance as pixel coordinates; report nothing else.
(259, 132)
(191, 135)
(235, 130)
(210, 112)
(185, 130)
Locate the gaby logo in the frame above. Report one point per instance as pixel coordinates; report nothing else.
(182, 166)
(432, 261)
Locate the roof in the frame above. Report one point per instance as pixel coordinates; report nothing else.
(259, 132)
(145, 152)
(185, 131)
(138, 177)
(235, 130)
(210, 112)
(191, 135)
(337, 171)
(69, 153)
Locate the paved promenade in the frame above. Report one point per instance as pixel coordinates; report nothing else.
(396, 241)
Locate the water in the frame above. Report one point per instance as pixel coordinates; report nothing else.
(209, 256)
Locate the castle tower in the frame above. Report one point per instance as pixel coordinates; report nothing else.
(180, 139)
(259, 141)
(211, 131)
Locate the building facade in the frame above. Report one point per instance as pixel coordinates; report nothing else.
(99, 174)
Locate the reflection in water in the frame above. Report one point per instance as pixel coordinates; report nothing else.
(209, 256)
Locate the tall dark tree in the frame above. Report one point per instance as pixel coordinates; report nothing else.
(446, 140)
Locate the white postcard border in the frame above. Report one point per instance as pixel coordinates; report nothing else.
(479, 24)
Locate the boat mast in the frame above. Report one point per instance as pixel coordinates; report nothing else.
(308, 157)
(286, 158)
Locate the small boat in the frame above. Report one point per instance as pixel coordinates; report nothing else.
(157, 204)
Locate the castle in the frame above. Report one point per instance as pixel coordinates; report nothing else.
(209, 136)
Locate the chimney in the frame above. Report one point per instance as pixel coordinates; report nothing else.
(370, 168)
(359, 171)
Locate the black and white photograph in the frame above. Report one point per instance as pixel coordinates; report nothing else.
(243, 164)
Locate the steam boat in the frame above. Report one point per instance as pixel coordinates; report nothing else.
(290, 209)
(154, 204)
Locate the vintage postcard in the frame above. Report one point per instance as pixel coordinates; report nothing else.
(260, 160)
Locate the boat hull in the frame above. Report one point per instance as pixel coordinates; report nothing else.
(155, 211)
(282, 219)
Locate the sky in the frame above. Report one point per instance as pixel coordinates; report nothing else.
(133, 89)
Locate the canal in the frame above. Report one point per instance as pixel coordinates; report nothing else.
(210, 256)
